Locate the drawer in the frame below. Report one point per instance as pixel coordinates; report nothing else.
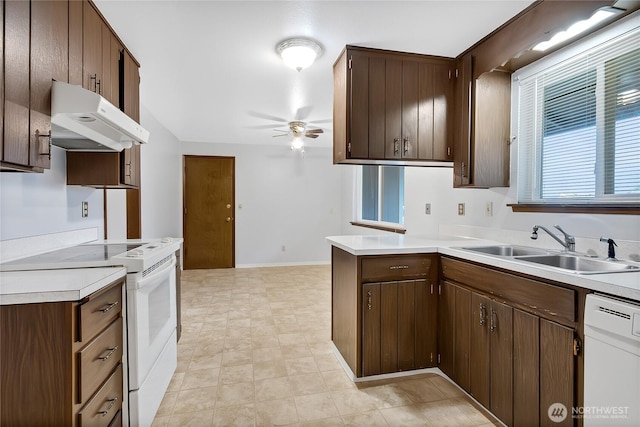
(105, 407)
(395, 267)
(98, 312)
(98, 358)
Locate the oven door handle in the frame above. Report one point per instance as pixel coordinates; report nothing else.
(157, 275)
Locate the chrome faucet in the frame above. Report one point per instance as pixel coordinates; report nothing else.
(569, 241)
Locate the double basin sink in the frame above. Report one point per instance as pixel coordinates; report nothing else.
(569, 262)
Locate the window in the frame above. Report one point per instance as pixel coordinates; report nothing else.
(382, 194)
(579, 127)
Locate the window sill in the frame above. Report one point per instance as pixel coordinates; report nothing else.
(599, 208)
(384, 226)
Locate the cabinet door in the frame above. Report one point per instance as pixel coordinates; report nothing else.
(41, 61)
(462, 344)
(501, 331)
(442, 110)
(91, 48)
(16, 82)
(76, 10)
(393, 109)
(60, 40)
(371, 329)
(131, 90)
(406, 331)
(557, 370)
(410, 106)
(446, 328)
(479, 379)
(526, 369)
(426, 303)
(462, 137)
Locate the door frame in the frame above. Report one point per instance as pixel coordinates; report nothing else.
(233, 199)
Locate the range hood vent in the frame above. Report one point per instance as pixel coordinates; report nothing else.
(82, 120)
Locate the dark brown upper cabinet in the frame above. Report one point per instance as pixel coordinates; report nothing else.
(26, 95)
(391, 106)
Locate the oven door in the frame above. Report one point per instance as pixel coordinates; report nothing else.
(151, 317)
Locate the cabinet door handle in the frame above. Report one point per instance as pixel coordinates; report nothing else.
(396, 145)
(44, 148)
(108, 354)
(483, 314)
(98, 87)
(110, 402)
(369, 305)
(463, 170)
(494, 320)
(405, 146)
(108, 307)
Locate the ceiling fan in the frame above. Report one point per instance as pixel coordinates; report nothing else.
(299, 130)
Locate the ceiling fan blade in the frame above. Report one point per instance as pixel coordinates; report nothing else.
(318, 130)
(266, 116)
(303, 112)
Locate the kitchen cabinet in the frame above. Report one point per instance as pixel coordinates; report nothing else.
(26, 97)
(65, 364)
(391, 106)
(482, 113)
(508, 340)
(384, 311)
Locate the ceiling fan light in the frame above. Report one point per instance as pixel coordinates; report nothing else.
(298, 53)
(296, 143)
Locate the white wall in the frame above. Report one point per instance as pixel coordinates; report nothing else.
(282, 199)
(41, 203)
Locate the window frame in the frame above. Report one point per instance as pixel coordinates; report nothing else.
(357, 191)
(602, 203)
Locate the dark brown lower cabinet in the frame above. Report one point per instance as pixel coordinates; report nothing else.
(514, 362)
(392, 338)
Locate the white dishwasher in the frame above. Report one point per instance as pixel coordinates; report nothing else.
(611, 362)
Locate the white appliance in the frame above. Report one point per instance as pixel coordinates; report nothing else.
(151, 355)
(83, 120)
(611, 362)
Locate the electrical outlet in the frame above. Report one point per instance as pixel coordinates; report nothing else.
(85, 209)
(427, 208)
(460, 208)
(488, 210)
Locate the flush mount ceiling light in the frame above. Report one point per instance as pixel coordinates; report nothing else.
(298, 53)
(577, 28)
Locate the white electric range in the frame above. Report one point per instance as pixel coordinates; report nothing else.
(150, 315)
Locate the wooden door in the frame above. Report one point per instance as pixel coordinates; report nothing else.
(209, 223)
(526, 369)
(371, 329)
(446, 328)
(557, 371)
(479, 378)
(501, 331)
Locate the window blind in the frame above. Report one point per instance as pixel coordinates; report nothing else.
(579, 127)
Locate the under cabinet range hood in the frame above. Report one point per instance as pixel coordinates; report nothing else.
(82, 120)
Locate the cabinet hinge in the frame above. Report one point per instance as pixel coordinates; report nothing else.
(439, 289)
(449, 74)
(438, 358)
(349, 148)
(431, 358)
(448, 151)
(456, 73)
(577, 346)
(350, 64)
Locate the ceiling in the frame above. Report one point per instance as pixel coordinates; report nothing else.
(210, 73)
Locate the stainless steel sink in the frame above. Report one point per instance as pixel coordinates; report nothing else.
(506, 250)
(579, 264)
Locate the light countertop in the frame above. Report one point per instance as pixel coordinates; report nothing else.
(26, 287)
(626, 285)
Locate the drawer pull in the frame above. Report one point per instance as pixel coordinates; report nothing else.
(109, 406)
(398, 267)
(108, 354)
(494, 320)
(108, 307)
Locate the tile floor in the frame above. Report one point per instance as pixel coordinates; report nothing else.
(255, 351)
